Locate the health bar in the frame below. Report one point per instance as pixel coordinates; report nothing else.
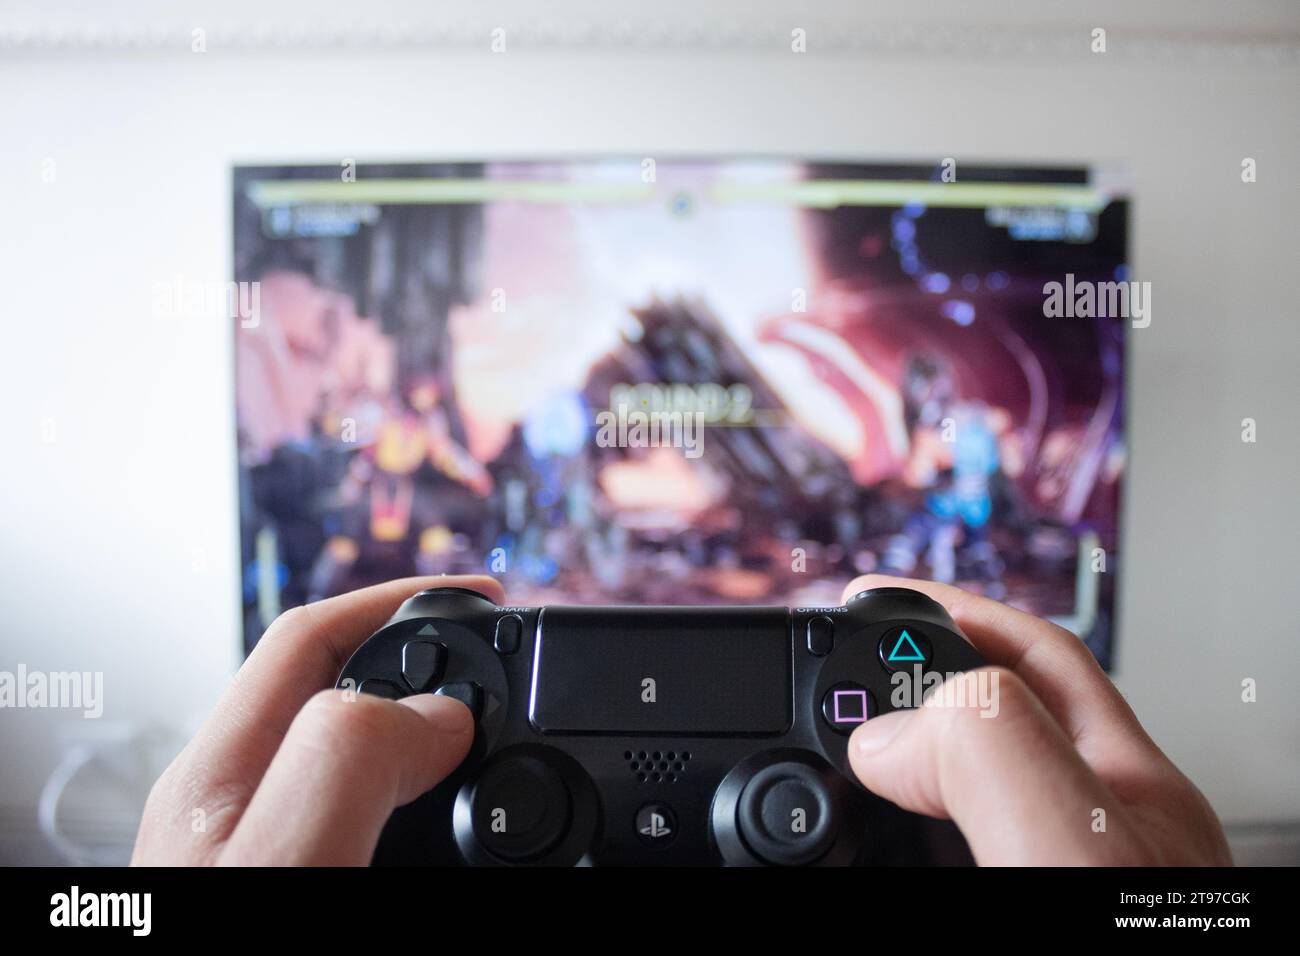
(818, 194)
(830, 193)
(396, 192)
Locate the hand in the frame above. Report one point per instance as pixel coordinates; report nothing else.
(1027, 785)
(285, 773)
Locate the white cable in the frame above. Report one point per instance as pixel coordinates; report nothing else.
(74, 760)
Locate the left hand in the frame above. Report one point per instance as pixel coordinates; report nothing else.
(287, 773)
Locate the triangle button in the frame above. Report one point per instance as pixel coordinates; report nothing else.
(904, 647)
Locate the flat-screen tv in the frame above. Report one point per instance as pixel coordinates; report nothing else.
(679, 382)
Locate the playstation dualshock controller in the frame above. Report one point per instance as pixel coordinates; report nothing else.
(661, 735)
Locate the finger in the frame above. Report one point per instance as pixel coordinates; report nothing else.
(359, 758)
(197, 802)
(994, 761)
(1055, 664)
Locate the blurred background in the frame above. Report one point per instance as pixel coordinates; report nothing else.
(133, 137)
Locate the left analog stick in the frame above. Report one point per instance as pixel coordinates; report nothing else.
(520, 808)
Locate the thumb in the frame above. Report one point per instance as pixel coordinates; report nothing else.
(346, 763)
(1004, 772)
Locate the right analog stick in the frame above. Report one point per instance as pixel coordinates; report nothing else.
(787, 814)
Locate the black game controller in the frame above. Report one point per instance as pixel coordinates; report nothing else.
(673, 735)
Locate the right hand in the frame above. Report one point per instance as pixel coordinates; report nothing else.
(1063, 774)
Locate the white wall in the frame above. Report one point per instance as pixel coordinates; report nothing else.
(118, 541)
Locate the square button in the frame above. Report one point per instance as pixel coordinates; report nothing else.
(850, 705)
(846, 705)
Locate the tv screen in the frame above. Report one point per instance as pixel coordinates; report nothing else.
(686, 382)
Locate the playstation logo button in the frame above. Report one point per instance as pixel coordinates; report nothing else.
(656, 825)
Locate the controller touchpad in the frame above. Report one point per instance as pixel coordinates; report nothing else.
(701, 671)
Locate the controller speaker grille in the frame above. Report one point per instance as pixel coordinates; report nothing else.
(657, 766)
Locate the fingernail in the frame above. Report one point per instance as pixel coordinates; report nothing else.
(445, 713)
(875, 735)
